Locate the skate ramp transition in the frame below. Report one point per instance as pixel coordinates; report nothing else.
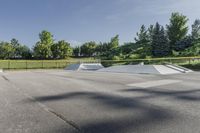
(147, 69)
(85, 67)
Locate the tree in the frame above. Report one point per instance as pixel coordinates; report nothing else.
(114, 42)
(143, 42)
(184, 43)
(42, 49)
(177, 29)
(150, 32)
(61, 50)
(196, 29)
(194, 50)
(16, 45)
(46, 37)
(160, 45)
(20, 51)
(24, 52)
(77, 51)
(14, 42)
(6, 50)
(88, 49)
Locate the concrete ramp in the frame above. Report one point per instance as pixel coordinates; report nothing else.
(85, 67)
(145, 69)
(179, 68)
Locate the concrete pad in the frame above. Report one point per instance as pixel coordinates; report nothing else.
(98, 102)
(154, 83)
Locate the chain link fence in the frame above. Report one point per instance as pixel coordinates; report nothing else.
(52, 64)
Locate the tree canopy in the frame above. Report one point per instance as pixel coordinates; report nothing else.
(177, 29)
(155, 40)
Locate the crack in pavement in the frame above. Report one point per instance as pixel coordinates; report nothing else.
(5, 78)
(44, 107)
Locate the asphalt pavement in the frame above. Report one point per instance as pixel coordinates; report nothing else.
(58, 101)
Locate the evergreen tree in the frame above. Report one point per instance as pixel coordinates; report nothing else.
(143, 42)
(160, 45)
(150, 32)
(184, 43)
(196, 29)
(20, 51)
(177, 29)
(77, 51)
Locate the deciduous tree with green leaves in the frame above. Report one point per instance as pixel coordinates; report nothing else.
(114, 43)
(177, 29)
(61, 50)
(42, 49)
(88, 49)
(6, 50)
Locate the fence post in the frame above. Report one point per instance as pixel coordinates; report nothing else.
(26, 64)
(42, 64)
(56, 64)
(9, 64)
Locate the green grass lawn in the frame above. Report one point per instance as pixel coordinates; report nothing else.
(41, 64)
(191, 63)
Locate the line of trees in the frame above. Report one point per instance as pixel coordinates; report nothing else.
(45, 48)
(154, 41)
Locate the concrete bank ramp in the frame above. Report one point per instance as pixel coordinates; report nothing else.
(85, 67)
(146, 69)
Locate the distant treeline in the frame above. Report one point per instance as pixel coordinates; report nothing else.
(154, 41)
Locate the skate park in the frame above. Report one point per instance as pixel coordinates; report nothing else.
(87, 97)
(140, 68)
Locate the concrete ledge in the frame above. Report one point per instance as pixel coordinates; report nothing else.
(85, 67)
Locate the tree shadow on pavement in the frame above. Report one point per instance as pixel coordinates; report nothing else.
(186, 95)
(149, 115)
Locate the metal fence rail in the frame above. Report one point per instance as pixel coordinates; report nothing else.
(40, 64)
(178, 61)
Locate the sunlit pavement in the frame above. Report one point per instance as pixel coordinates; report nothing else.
(56, 101)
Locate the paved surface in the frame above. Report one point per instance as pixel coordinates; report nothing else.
(95, 102)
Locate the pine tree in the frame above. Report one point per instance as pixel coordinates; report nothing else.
(196, 29)
(143, 42)
(160, 45)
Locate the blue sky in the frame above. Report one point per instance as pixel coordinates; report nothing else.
(78, 21)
